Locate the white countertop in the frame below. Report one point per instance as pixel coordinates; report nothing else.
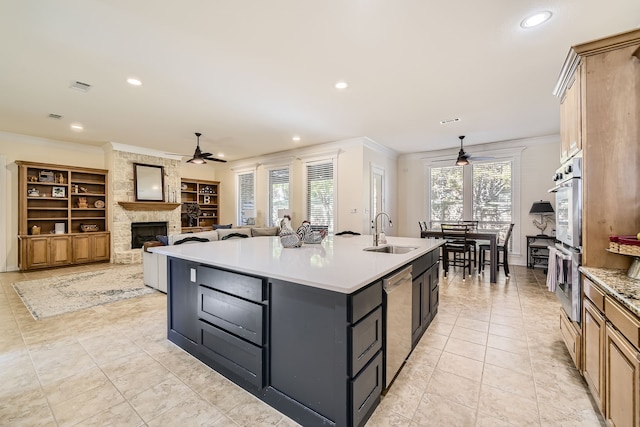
(337, 264)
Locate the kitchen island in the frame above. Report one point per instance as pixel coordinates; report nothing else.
(300, 328)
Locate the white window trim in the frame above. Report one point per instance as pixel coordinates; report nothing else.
(268, 185)
(7, 214)
(239, 172)
(312, 160)
(514, 154)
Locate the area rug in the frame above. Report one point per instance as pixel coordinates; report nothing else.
(64, 294)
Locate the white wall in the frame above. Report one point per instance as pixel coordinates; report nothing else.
(539, 160)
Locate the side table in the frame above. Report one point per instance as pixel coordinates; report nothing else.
(537, 252)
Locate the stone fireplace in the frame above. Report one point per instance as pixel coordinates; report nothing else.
(121, 189)
(146, 231)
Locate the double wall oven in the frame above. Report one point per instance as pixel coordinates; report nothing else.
(568, 249)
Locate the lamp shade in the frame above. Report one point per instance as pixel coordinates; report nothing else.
(283, 212)
(541, 207)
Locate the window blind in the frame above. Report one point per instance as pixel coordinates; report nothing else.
(320, 195)
(246, 196)
(278, 192)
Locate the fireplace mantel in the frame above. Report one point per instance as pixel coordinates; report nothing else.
(148, 206)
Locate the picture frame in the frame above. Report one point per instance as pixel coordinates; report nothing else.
(59, 192)
(149, 182)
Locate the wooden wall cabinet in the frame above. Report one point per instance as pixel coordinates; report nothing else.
(66, 197)
(599, 87)
(207, 195)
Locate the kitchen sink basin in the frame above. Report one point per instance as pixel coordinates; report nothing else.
(391, 249)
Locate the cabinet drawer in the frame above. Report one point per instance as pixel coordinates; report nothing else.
(235, 315)
(595, 295)
(248, 287)
(435, 295)
(366, 389)
(366, 340)
(364, 301)
(623, 320)
(238, 356)
(571, 338)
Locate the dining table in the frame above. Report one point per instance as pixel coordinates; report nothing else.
(478, 234)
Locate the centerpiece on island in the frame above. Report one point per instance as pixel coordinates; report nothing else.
(304, 234)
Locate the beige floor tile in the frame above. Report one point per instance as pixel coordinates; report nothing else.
(26, 408)
(508, 344)
(403, 396)
(460, 365)
(107, 348)
(434, 410)
(508, 407)
(121, 415)
(513, 361)
(440, 328)
(512, 332)
(255, 413)
(454, 388)
(433, 339)
(161, 397)
(86, 405)
(226, 395)
(466, 349)
(509, 380)
(385, 417)
(476, 325)
(470, 335)
(190, 412)
(70, 387)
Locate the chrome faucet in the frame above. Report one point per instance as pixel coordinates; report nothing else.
(375, 226)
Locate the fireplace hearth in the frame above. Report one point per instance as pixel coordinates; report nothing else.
(146, 231)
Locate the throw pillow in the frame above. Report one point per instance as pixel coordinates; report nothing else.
(264, 231)
(235, 236)
(163, 239)
(191, 239)
(218, 226)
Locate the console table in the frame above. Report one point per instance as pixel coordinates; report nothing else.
(537, 252)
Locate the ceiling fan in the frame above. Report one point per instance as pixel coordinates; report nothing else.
(463, 157)
(199, 157)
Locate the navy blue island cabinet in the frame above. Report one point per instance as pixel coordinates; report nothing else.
(315, 355)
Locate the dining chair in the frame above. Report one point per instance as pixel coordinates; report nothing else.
(473, 226)
(423, 225)
(455, 236)
(503, 247)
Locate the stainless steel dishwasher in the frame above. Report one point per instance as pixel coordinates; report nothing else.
(398, 321)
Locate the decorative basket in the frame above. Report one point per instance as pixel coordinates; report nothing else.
(627, 245)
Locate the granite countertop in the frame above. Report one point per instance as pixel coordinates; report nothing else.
(618, 285)
(337, 264)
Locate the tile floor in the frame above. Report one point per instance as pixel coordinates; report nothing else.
(492, 357)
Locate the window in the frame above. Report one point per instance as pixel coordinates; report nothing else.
(278, 192)
(320, 194)
(246, 198)
(482, 191)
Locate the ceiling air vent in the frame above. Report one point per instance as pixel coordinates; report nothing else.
(448, 121)
(84, 87)
(55, 116)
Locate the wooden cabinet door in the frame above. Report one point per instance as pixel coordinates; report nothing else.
(416, 308)
(622, 377)
(101, 247)
(593, 339)
(82, 248)
(38, 252)
(570, 119)
(60, 250)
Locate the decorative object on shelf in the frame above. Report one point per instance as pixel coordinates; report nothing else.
(32, 178)
(33, 192)
(60, 179)
(82, 202)
(99, 204)
(206, 189)
(83, 189)
(193, 212)
(59, 192)
(206, 200)
(46, 176)
(184, 187)
(35, 230)
(74, 188)
(89, 227)
(59, 228)
(544, 209)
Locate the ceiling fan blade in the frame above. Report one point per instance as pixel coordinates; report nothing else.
(205, 154)
(215, 159)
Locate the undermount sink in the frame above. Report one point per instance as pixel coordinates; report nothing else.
(390, 249)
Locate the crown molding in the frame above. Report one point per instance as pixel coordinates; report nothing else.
(116, 146)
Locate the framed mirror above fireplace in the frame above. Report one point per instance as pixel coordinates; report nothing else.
(149, 182)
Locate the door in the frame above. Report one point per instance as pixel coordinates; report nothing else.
(377, 193)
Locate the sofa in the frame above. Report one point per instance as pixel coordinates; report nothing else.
(154, 265)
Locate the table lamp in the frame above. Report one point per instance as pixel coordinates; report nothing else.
(544, 209)
(250, 216)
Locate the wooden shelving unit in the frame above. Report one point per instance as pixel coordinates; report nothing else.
(55, 203)
(206, 195)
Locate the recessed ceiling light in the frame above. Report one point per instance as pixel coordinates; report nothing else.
(296, 138)
(77, 127)
(341, 85)
(133, 81)
(536, 19)
(220, 154)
